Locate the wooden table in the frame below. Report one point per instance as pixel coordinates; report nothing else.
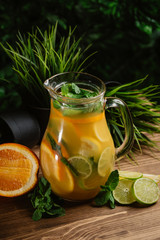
(83, 221)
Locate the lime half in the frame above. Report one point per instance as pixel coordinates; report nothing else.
(82, 165)
(105, 163)
(130, 175)
(146, 191)
(123, 192)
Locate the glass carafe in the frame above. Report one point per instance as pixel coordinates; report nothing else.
(77, 151)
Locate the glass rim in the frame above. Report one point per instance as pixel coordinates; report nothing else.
(59, 97)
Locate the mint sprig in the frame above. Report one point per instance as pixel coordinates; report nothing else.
(44, 201)
(106, 193)
(73, 91)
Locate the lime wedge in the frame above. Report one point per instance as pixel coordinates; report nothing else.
(105, 163)
(82, 165)
(130, 175)
(123, 192)
(156, 178)
(146, 191)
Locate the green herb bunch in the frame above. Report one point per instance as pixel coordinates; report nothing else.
(44, 201)
(141, 100)
(41, 55)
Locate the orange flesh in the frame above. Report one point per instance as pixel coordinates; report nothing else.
(15, 170)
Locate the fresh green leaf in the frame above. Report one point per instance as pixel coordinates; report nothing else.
(73, 91)
(37, 215)
(105, 195)
(102, 198)
(113, 180)
(57, 211)
(75, 88)
(111, 201)
(64, 90)
(53, 143)
(56, 104)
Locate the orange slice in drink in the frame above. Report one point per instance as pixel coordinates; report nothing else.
(101, 130)
(66, 133)
(18, 169)
(55, 171)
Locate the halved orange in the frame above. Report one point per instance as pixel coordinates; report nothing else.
(18, 169)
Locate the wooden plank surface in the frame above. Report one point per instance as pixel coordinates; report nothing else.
(83, 221)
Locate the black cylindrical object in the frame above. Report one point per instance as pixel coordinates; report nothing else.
(20, 127)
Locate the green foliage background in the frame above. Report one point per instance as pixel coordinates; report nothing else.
(125, 34)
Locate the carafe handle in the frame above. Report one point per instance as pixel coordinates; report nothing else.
(112, 102)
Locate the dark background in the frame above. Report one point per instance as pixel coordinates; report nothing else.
(125, 34)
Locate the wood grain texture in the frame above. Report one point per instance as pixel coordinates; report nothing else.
(83, 221)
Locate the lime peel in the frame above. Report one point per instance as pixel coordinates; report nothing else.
(130, 175)
(145, 191)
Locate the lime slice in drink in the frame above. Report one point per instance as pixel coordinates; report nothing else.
(94, 181)
(105, 163)
(156, 178)
(130, 175)
(82, 165)
(123, 192)
(89, 147)
(146, 191)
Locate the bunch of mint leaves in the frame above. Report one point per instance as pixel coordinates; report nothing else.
(106, 193)
(71, 90)
(44, 201)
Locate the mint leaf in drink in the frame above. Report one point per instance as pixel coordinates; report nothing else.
(44, 201)
(88, 94)
(75, 88)
(57, 148)
(69, 165)
(65, 90)
(73, 91)
(53, 143)
(56, 104)
(105, 195)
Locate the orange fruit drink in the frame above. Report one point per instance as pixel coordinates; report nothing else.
(77, 152)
